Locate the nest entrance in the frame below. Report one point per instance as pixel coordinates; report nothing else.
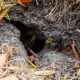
(31, 36)
(46, 53)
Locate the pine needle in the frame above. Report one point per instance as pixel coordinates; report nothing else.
(75, 52)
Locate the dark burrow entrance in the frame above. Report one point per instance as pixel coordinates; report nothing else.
(48, 49)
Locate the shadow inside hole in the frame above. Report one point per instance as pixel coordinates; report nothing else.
(31, 36)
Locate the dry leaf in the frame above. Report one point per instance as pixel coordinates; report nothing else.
(63, 48)
(75, 52)
(78, 30)
(78, 1)
(11, 77)
(4, 57)
(0, 54)
(24, 1)
(76, 65)
(44, 73)
(78, 73)
(3, 14)
(6, 48)
(12, 67)
(32, 58)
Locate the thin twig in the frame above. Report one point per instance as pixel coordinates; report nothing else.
(32, 52)
(37, 2)
(52, 11)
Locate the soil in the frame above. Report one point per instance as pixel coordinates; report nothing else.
(49, 55)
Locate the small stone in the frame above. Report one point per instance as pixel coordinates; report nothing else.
(11, 27)
(13, 39)
(78, 73)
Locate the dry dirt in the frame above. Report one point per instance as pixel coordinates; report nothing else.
(48, 56)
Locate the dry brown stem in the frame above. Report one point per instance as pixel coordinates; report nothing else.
(52, 11)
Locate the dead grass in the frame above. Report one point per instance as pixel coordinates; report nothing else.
(64, 11)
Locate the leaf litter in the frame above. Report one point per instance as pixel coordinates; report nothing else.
(19, 69)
